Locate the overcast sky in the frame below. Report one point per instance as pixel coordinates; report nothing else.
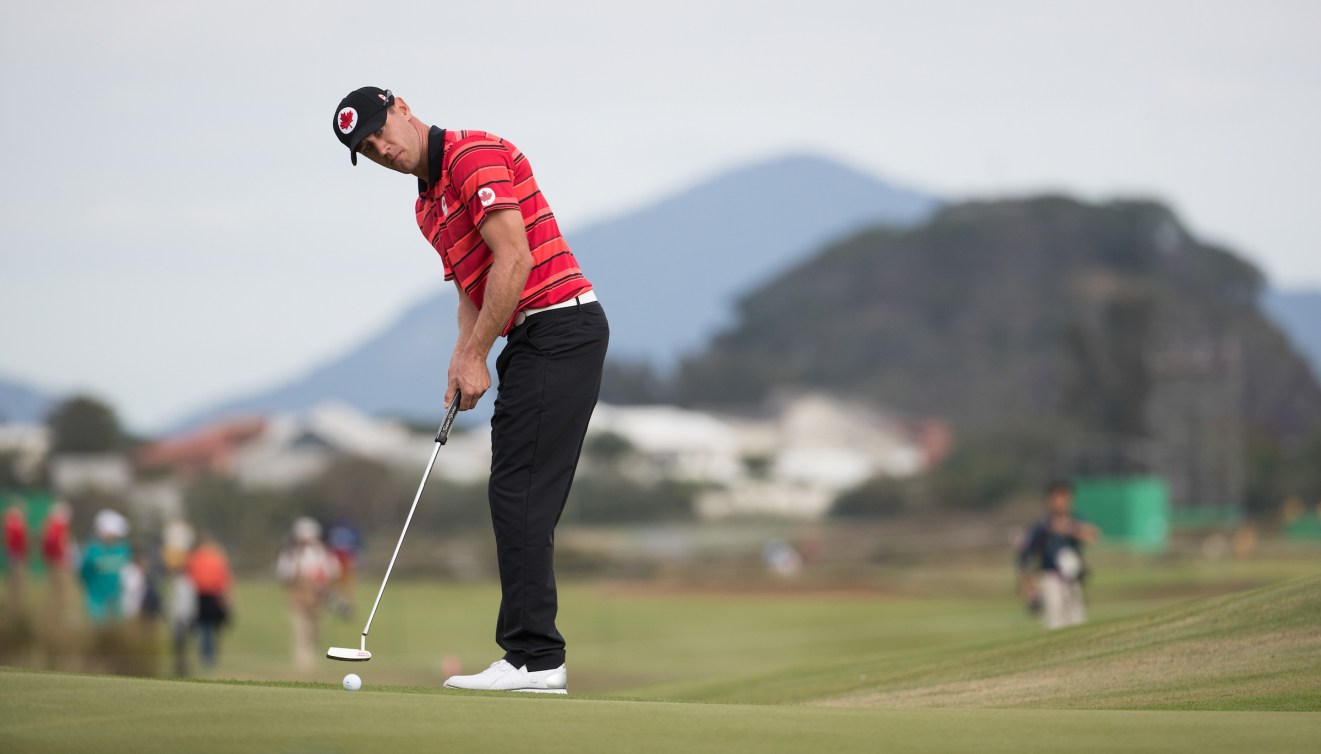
(179, 223)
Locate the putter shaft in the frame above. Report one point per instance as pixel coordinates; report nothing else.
(441, 436)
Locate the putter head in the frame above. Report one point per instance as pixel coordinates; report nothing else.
(348, 654)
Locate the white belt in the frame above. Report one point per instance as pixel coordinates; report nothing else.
(586, 298)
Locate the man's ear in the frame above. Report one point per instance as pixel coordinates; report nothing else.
(402, 108)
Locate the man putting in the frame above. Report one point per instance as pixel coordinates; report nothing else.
(479, 206)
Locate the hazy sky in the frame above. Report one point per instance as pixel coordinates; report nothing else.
(179, 223)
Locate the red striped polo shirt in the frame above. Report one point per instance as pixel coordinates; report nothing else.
(474, 173)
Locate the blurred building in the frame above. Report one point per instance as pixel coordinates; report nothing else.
(28, 444)
(210, 450)
(288, 449)
(792, 463)
(293, 448)
(672, 443)
(71, 473)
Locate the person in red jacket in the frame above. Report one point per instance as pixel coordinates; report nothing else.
(57, 553)
(16, 550)
(208, 568)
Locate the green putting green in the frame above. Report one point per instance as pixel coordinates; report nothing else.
(62, 713)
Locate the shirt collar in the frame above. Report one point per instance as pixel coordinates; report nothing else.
(435, 156)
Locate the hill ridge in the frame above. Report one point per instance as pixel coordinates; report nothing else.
(1043, 309)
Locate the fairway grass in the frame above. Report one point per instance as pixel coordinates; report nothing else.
(1258, 649)
(51, 712)
(656, 669)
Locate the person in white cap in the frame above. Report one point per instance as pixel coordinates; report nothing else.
(308, 569)
(102, 562)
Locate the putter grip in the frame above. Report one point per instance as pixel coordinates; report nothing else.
(443, 433)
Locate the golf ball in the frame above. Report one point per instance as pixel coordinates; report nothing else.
(352, 682)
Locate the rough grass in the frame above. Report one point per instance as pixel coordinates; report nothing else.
(1255, 650)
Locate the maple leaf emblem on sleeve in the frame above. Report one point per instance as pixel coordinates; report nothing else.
(346, 120)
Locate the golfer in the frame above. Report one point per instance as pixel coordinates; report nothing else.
(479, 206)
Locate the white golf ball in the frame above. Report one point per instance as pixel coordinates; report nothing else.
(352, 682)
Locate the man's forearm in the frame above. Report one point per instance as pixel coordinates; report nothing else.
(469, 376)
(504, 288)
(511, 262)
(467, 319)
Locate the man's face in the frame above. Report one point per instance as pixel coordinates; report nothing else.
(397, 145)
(1061, 502)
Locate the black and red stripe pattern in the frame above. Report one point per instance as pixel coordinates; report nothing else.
(481, 173)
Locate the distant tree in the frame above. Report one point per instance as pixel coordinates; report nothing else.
(83, 424)
(617, 500)
(9, 476)
(989, 469)
(350, 486)
(759, 465)
(878, 497)
(632, 382)
(1277, 471)
(607, 447)
(1108, 379)
(250, 524)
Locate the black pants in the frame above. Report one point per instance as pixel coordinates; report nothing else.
(549, 379)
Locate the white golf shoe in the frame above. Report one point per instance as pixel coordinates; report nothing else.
(502, 676)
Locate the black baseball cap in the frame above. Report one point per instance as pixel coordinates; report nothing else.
(361, 113)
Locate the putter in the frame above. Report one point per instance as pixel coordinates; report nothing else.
(349, 654)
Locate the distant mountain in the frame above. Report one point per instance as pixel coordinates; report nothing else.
(1299, 314)
(666, 275)
(991, 313)
(22, 403)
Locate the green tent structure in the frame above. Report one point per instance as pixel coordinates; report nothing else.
(35, 505)
(1132, 511)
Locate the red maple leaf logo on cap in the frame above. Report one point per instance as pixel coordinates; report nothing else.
(346, 120)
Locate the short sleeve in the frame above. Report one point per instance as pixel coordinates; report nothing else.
(482, 173)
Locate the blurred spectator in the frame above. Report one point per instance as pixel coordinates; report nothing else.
(308, 569)
(16, 548)
(57, 551)
(1050, 565)
(782, 559)
(345, 544)
(181, 604)
(208, 568)
(132, 587)
(105, 558)
(139, 598)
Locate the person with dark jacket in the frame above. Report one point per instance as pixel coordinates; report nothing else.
(1050, 565)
